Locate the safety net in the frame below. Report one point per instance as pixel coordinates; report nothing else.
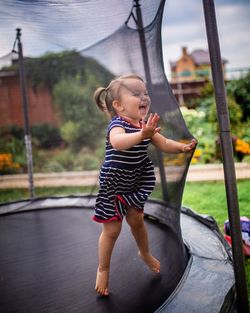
(91, 42)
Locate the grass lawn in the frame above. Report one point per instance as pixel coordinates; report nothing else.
(203, 197)
(210, 198)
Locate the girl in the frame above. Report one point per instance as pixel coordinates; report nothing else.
(127, 174)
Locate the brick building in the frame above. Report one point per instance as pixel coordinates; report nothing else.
(11, 112)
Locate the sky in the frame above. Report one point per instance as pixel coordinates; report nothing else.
(183, 25)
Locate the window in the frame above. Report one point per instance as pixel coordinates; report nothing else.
(186, 73)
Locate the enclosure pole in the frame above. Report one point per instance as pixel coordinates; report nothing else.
(227, 154)
(140, 28)
(27, 137)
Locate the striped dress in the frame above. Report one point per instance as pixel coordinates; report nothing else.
(126, 178)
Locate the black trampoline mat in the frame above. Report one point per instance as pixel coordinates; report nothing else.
(49, 259)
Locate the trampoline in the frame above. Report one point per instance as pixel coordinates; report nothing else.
(49, 258)
(48, 245)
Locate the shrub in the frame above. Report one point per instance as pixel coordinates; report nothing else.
(12, 149)
(65, 158)
(69, 132)
(47, 136)
(241, 149)
(53, 167)
(235, 116)
(198, 125)
(7, 165)
(87, 161)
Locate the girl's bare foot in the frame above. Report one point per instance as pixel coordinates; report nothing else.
(151, 261)
(102, 278)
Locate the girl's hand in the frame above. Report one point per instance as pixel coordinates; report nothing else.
(150, 128)
(190, 146)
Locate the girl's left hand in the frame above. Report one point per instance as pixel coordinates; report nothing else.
(190, 146)
(150, 128)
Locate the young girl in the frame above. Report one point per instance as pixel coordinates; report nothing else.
(127, 174)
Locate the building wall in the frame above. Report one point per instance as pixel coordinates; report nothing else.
(8, 105)
(11, 112)
(185, 91)
(185, 69)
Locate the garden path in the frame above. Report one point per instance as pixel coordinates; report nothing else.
(209, 172)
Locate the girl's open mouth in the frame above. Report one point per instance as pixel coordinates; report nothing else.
(143, 108)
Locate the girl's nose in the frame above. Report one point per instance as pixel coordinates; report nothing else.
(143, 96)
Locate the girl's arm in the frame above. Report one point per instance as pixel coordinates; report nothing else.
(170, 146)
(123, 141)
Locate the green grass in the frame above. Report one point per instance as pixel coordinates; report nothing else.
(18, 194)
(203, 197)
(210, 198)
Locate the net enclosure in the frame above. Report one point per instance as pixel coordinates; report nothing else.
(48, 246)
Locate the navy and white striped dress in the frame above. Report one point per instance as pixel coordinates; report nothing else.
(126, 178)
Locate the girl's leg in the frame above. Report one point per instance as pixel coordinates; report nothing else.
(139, 231)
(107, 241)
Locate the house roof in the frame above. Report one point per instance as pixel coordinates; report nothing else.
(199, 56)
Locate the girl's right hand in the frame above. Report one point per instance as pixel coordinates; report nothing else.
(150, 127)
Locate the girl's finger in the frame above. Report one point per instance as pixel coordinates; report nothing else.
(155, 119)
(149, 119)
(155, 115)
(143, 123)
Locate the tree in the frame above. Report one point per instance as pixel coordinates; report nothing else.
(83, 124)
(240, 90)
(48, 69)
(235, 116)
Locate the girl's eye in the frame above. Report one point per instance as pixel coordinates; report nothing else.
(136, 94)
(140, 95)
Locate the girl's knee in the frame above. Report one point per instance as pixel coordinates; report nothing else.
(135, 220)
(112, 229)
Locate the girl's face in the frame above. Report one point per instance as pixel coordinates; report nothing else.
(134, 101)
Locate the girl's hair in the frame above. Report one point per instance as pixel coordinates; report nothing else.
(104, 97)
